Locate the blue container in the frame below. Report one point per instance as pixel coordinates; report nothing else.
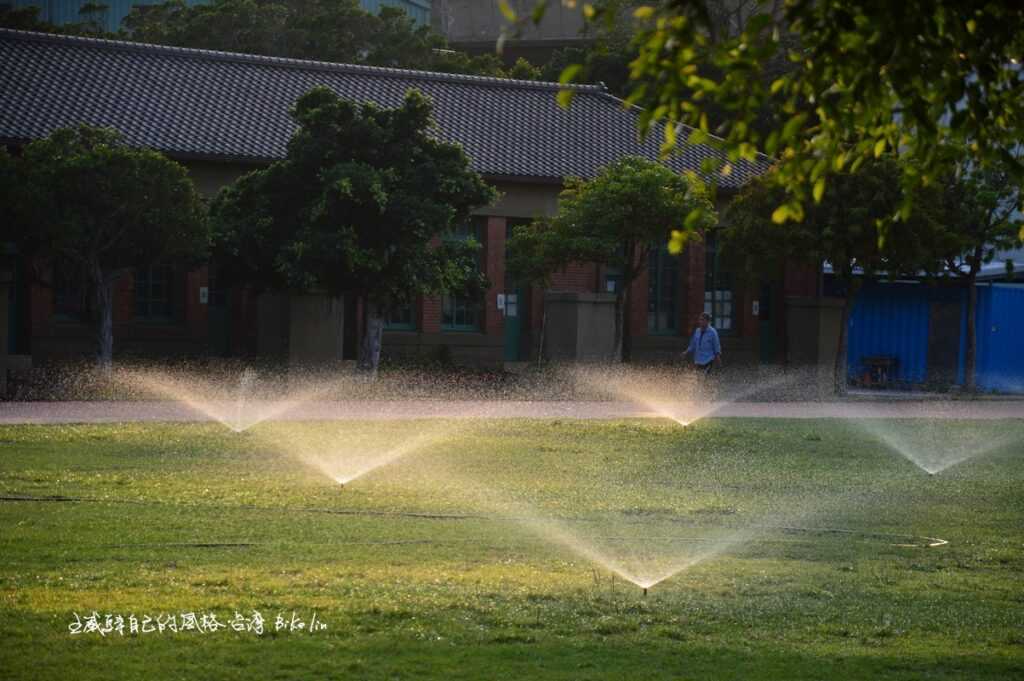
(894, 320)
(1000, 332)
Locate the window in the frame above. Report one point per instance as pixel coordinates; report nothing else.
(401, 318)
(718, 293)
(153, 293)
(459, 313)
(662, 292)
(70, 293)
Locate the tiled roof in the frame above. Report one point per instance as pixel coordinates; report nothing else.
(202, 104)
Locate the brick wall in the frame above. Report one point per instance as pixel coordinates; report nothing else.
(57, 338)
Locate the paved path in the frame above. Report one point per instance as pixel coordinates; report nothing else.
(138, 411)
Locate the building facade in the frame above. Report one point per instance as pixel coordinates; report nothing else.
(225, 114)
(475, 25)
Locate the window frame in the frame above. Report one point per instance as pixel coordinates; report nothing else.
(719, 289)
(146, 281)
(658, 274)
(451, 305)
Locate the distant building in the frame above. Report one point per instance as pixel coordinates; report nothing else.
(475, 25)
(61, 12)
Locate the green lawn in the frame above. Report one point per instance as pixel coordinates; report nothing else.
(483, 552)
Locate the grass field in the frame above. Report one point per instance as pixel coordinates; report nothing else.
(490, 550)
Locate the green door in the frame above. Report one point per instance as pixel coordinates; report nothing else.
(513, 323)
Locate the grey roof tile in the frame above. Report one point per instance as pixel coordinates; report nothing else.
(200, 103)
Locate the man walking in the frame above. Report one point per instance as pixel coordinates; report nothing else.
(707, 351)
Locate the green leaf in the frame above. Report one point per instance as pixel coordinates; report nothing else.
(693, 219)
(819, 189)
(789, 130)
(569, 73)
(643, 12)
(780, 214)
(879, 147)
(670, 140)
(677, 241)
(565, 97)
(506, 11)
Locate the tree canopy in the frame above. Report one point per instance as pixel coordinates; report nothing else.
(841, 230)
(324, 30)
(84, 196)
(360, 204)
(905, 78)
(615, 219)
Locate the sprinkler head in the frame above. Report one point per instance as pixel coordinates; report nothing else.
(645, 592)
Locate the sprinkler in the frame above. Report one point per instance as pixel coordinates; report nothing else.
(645, 592)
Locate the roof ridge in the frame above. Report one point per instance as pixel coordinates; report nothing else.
(626, 104)
(288, 62)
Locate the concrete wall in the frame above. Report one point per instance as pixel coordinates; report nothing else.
(812, 338)
(580, 326)
(480, 21)
(316, 329)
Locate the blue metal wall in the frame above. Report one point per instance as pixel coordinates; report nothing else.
(67, 11)
(891, 320)
(1000, 328)
(894, 320)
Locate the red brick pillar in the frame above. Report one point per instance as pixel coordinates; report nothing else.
(694, 259)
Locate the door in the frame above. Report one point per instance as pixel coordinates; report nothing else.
(766, 325)
(513, 325)
(513, 303)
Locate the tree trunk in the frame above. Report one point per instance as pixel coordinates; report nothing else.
(971, 354)
(373, 333)
(840, 372)
(617, 338)
(103, 286)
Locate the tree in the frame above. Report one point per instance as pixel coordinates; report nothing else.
(27, 19)
(632, 205)
(24, 19)
(978, 210)
(906, 78)
(840, 230)
(86, 197)
(361, 204)
(325, 30)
